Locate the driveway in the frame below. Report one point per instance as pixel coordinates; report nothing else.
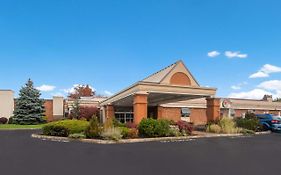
(22, 155)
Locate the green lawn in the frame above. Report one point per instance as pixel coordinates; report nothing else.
(12, 126)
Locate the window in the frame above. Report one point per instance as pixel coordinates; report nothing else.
(124, 117)
(185, 112)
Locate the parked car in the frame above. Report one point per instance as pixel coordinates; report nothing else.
(270, 122)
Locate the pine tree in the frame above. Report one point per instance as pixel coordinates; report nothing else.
(29, 107)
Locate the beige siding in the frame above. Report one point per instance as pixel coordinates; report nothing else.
(6, 103)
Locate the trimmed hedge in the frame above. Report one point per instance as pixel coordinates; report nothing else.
(65, 127)
(154, 128)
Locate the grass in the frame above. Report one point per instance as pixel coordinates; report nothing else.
(13, 126)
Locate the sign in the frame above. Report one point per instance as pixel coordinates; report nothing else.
(226, 103)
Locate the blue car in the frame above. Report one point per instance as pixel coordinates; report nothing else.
(270, 122)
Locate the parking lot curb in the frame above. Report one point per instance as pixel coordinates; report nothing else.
(139, 140)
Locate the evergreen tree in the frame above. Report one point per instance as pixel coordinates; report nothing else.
(29, 107)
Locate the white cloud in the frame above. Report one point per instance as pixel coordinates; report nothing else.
(265, 71)
(269, 69)
(213, 54)
(272, 85)
(108, 93)
(236, 54)
(259, 74)
(253, 94)
(235, 87)
(46, 88)
(239, 86)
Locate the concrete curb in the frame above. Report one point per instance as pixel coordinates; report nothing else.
(18, 129)
(140, 140)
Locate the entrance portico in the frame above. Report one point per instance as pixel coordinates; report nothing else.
(144, 98)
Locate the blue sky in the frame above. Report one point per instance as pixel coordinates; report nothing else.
(112, 44)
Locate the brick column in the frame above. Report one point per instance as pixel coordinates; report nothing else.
(140, 107)
(109, 111)
(159, 112)
(213, 109)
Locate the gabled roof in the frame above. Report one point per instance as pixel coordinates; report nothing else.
(160, 76)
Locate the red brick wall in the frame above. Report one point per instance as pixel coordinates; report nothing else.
(171, 114)
(198, 116)
(49, 110)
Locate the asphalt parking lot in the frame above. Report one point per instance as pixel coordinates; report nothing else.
(22, 155)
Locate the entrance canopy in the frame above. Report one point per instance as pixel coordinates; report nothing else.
(158, 94)
(171, 84)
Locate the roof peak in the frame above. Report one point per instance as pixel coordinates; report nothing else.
(165, 70)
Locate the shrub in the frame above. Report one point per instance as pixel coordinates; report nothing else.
(185, 127)
(175, 131)
(128, 133)
(117, 123)
(133, 133)
(147, 127)
(94, 129)
(214, 128)
(108, 123)
(112, 134)
(55, 130)
(248, 123)
(228, 126)
(131, 125)
(3, 120)
(72, 126)
(77, 136)
(10, 120)
(88, 112)
(250, 115)
(154, 128)
(162, 128)
(124, 132)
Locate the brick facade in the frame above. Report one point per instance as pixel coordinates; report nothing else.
(48, 104)
(170, 114)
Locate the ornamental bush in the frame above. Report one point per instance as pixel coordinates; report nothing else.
(72, 126)
(55, 130)
(154, 128)
(214, 128)
(111, 134)
(248, 123)
(3, 120)
(128, 133)
(185, 127)
(94, 129)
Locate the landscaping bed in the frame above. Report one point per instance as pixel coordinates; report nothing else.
(113, 130)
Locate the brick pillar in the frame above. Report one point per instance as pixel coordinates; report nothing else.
(109, 111)
(140, 107)
(213, 109)
(160, 112)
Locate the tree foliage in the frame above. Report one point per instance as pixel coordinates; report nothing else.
(82, 91)
(29, 108)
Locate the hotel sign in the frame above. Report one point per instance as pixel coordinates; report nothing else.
(226, 103)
